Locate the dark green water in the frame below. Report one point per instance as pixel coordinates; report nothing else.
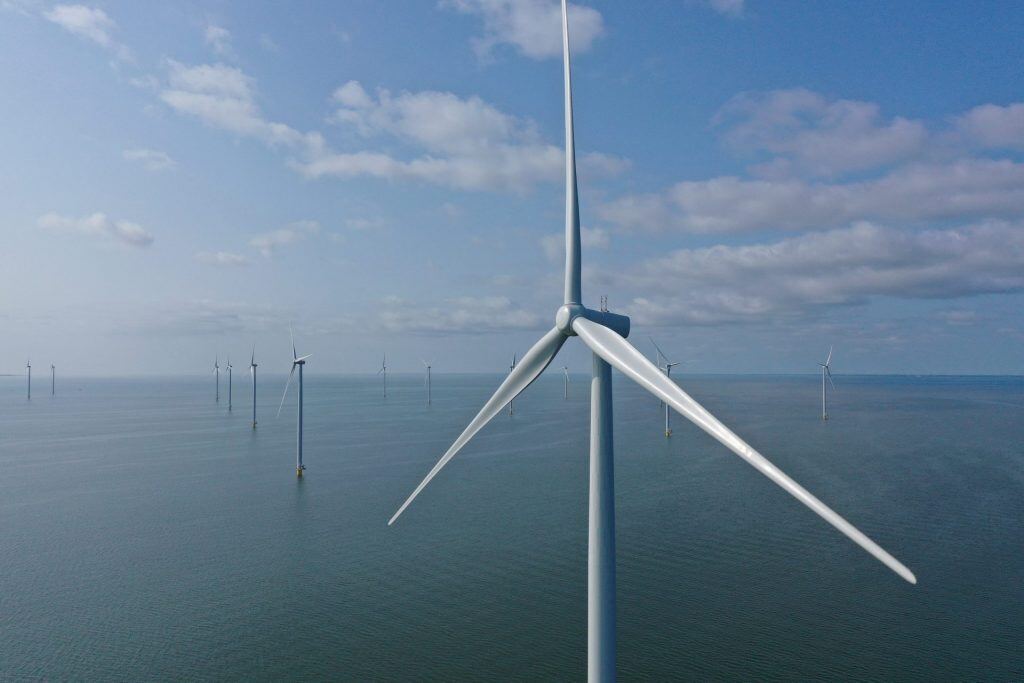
(146, 533)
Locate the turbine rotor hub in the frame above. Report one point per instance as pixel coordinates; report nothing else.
(565, 315)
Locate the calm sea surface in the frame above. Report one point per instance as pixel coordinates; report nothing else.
(148, 533)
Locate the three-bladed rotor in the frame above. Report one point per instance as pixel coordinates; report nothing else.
(605, 333)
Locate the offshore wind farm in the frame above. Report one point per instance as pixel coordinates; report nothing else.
(488, 187)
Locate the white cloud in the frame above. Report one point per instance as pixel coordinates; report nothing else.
(993, 126)
(466, 143)
(365, 223)
(534, 27)
(814, 135)
(224, 97)
(219, 38)
(90, 23)
(98, 225)
(151, 159)
(221, 258)
(966, 189)
(464, 314)
(847, 266)
(268, 243)
(729, 8)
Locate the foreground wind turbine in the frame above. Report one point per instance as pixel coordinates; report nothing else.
(384, 371)
(511, 369)
(229, 383)
(826, 371)
(28, 365)
(252, 376)
(665, 365)
(565, 394)
(53, 379)
(604, 333)
(427, 366)
(216, 370)
(296, 362)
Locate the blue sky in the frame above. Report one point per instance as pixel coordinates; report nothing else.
(758, 181)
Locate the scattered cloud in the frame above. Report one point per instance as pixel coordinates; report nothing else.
(365, 223)
(811, 134)
(994, 127)
(224, 97)
(469, 315)
(533, 27)
(965, 189)
(151, 159)
(466, 143)
(97, 225)
(729, 8)
(222, 258)
(219, 39)
(270, 242)
(847, 266)
(90, 23)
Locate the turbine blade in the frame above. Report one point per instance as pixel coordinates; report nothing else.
(829, 359)
(285, 394)
(620, 353)
(828, 373)
(658, 349)
(302, 358)
(573, 289)
(292, 334)
(529, 368)
(252, 360)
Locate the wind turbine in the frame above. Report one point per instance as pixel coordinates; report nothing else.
(667, 367)
(604, 333)
(826, 371)
(427, 366)
(565, 395)
(252, 376)
(296, 362)
(384, 371)
(229, 383)
(511, 369)
(28, 365)
(53, 379)
(216, 369)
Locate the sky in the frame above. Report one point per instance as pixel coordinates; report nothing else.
(759, 181)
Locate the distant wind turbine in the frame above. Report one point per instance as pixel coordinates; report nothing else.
(565, 394)
(28, 365)
(384, 372)
(427, 366)
(252, 376)
(511, 369)
(604, 333)
(53, 379)
(229, 383)
(826, 371)
(216, 370)
(297, 362)
(665, 365)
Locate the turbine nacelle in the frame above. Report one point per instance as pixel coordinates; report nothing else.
(567, 314)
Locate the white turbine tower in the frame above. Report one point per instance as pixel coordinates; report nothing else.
(53, 379)
(565, 393)
(216, 370)
(428, 366)
(297, 362)
(229, 382)
(826, 371)
(604, 333)
(665, 365)
(511, 369)
(28, 366)
(384, 372)
(252, 376)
